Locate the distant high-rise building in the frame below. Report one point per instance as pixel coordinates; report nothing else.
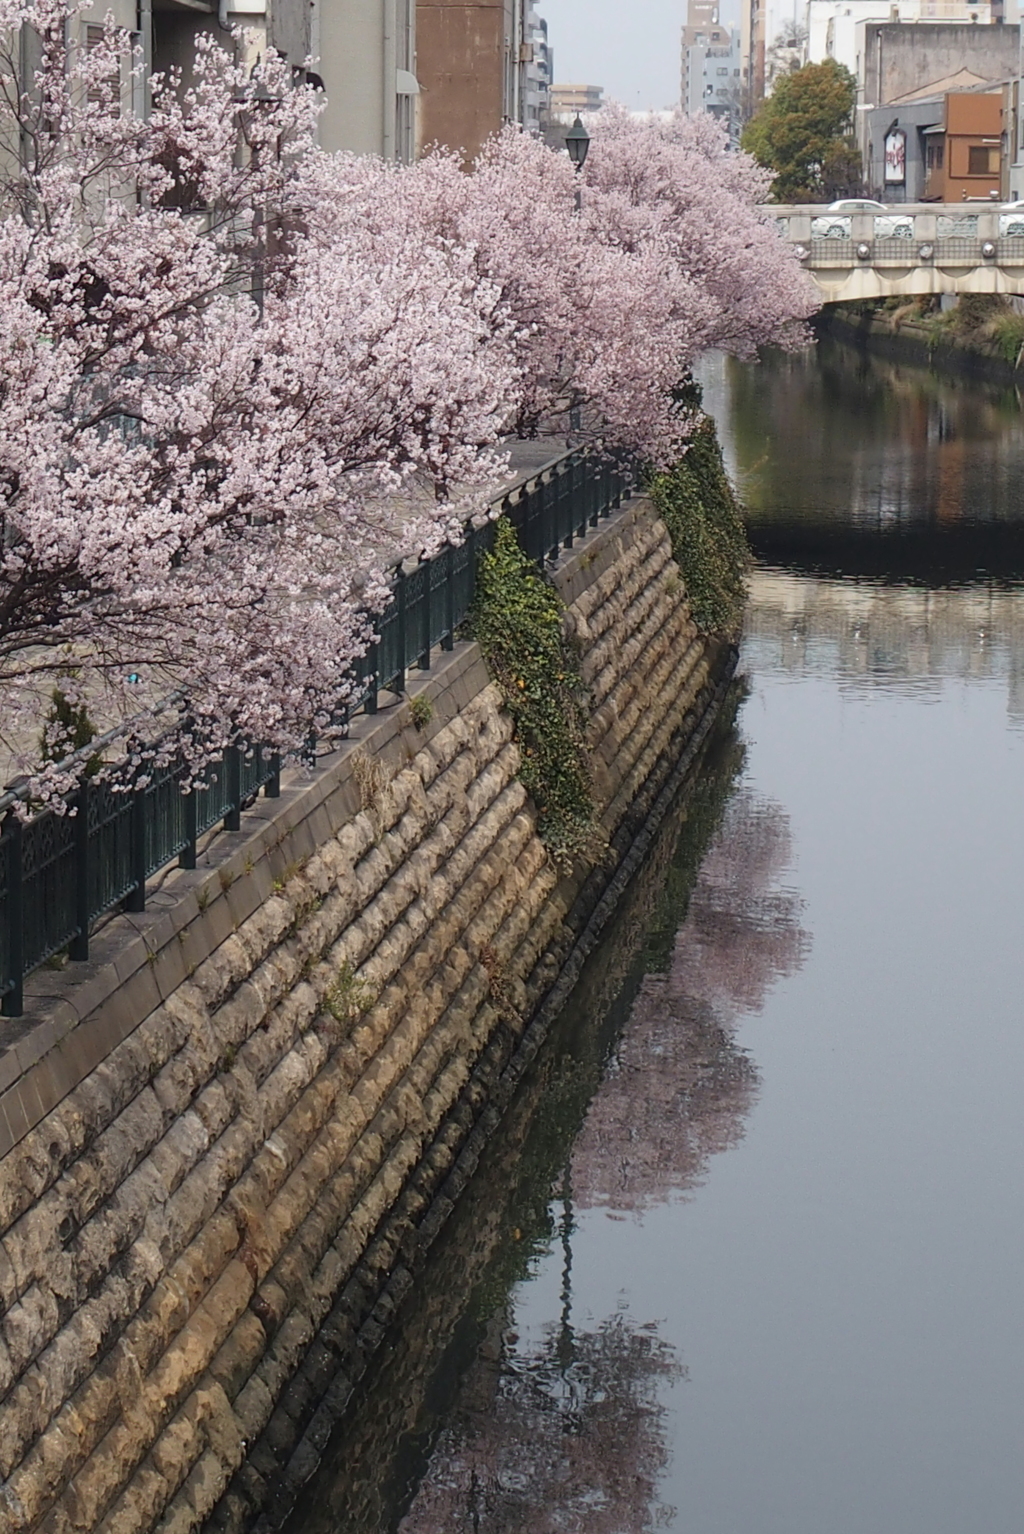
(711, 78)
(753, 39)
(538, 62)
(567, 100)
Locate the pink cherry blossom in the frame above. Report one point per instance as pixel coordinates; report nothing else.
(240, 377)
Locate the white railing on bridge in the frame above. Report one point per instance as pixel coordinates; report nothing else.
(909, 248)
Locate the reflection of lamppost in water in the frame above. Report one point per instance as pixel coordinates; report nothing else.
(566, 1337)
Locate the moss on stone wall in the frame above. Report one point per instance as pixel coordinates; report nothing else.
(517, 619)
(698, 506)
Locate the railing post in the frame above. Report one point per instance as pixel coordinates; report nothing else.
(272, 787)
(564, 501)
(552, 542)
(373, 656)
(233, 777)
(400, 606)
(187, 855)
(448, 642)
(12, 1003)
(78, 948)
(135, 900)
(426, 599)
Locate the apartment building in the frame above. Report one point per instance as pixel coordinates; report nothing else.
(711, 77)
(567, 101)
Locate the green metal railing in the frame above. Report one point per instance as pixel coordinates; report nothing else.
(60, 872)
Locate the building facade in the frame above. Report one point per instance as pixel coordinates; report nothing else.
(832, 24)
(569, 100)
(711, 72)
(941, 148)
(367, 60)
(753, 40)
(901, 63)
(366, 51)
(471, 69)
(539, 73)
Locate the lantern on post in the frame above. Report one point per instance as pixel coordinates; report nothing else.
(577, 142)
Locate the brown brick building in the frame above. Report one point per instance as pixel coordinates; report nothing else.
(470, 60)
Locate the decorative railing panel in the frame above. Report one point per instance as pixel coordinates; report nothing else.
(60, 872)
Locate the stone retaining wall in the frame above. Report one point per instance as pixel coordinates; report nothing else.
(228, 1141)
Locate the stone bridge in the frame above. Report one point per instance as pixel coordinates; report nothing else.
(910, 249)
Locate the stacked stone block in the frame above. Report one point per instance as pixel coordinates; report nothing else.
(203, 1233)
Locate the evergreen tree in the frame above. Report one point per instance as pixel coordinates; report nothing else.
(802, 133)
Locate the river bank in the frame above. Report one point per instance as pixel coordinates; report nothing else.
(728, 1274)
(927, 341)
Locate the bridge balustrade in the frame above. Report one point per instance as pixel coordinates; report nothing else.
(915, 248)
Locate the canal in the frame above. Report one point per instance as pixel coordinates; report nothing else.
(749, 1258)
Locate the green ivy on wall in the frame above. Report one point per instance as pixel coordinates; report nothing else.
(517, 621)
(696, 502)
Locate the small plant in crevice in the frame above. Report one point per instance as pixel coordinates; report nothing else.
(709, 544)
(373, 779)
(348, 997)
(421, 711)
(499, 987)
(517, 620)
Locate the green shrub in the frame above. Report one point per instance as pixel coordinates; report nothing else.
(696, 502)
(67, 728)
(1007, 333)
(517, 621)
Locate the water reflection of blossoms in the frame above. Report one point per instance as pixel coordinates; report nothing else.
(550, 1444)
(678, 1088)
(566, 1435)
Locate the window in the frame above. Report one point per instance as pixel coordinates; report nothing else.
(98, 90)
(981, 160)
(935, 154)
(723, 71)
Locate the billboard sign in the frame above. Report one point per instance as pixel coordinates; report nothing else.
(895, 157)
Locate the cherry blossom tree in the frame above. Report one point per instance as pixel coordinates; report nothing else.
(197, 402)
(676, 187)
(599, 332)
(238, 376)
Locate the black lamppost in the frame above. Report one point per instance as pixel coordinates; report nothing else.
(258, 102)
(577, 141)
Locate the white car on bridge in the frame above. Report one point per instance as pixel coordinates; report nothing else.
(837, 223)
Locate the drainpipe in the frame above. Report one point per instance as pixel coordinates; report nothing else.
(144, 22)
(390, 82)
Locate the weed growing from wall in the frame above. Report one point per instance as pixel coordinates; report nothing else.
(348, 997)
(696, 502)
(517, 621)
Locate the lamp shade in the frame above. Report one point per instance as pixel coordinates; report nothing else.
(577, 141)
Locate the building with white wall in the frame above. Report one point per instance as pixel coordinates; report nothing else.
(832, 24)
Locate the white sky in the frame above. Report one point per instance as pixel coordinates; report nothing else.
(631, 47)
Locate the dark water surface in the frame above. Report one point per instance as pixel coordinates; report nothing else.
(750, 1257)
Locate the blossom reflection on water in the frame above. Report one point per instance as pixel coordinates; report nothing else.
(560, 1422)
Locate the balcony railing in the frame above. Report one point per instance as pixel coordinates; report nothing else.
(60, 872)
